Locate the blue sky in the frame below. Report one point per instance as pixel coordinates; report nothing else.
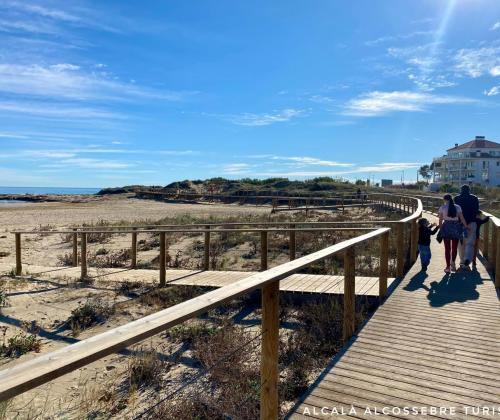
(96, 94)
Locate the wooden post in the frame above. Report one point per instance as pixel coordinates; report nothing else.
(349, 293)
(263, 250)
(486, 240)
(206, 257)
(269, 404)
(400, 249)
(19, 264)
(384, 265)
(497, 259)
(75, 248)
(163, 256)
(293, 243)
(83, 255)
(133, 256)
(414, 241)
(493, 256)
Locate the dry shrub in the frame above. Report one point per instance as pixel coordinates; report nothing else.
(102, 258)
(19, 344)
(192, 407)
(93, 237)
(234, 368)
(171, 295)
(128, 288)
(190, 331)
(94, 311)
(66, 260)
(144, 369)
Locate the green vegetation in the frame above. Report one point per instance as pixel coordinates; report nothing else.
(282, 186)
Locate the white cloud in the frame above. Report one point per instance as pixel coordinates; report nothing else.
(493, 91)
(495, 71)
(476, 62)
(375, 168)
(255, 120)
(69, 81)
(495, 26)
(236, 168)
(377, 103)
(86, 163)
(57, 111)
(306, 161)
(392, 38)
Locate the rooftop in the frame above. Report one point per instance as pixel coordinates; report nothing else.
(478, 143)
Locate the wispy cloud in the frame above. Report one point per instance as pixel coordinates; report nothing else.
(399, 37)
(236, 168)
(493, 91)
(87, 163)
(257, 120)
(70, 81)
(306, 161)
(385, 167)
(476, 62)
(43, 109)
(377, 103)
(495, 26)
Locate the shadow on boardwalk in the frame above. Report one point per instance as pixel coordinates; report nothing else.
(454, 287)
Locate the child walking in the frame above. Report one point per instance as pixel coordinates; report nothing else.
(425, 231)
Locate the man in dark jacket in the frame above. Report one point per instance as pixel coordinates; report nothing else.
(470, 207)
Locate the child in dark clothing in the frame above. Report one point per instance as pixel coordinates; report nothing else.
(479, 222)
(425, 231)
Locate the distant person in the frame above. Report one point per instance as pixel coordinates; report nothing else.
(425, 231)
(358, 193)
(451, 222)
(365, 195)
(470, 207)
(479, 222)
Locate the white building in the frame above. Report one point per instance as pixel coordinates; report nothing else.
(474, 162)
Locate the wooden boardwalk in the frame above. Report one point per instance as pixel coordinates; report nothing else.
(298, 283)
(434, 344)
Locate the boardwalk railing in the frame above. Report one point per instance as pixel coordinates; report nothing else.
(405, 227)
(28, 375)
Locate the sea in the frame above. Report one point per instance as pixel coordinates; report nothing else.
(48, 190)
(43, 190)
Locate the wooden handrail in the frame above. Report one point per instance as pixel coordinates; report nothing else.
(28, 375)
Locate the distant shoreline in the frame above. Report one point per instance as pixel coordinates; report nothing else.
(18, 192)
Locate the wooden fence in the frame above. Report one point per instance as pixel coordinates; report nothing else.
(28, 375)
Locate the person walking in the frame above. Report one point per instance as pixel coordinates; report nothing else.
(469, 204)
(451, 225)
(425, 231)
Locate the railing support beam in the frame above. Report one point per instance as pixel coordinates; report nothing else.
(133, 256)
(163, 259)
(83, 255)
(293, 243)
(349, 293)
(206, 256)
(19, 264)
(400, 261)
(75, 248)
(384, 265)
(263, 250)
(497, 258)
(269, 405)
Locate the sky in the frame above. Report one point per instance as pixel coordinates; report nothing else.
(101, 94)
